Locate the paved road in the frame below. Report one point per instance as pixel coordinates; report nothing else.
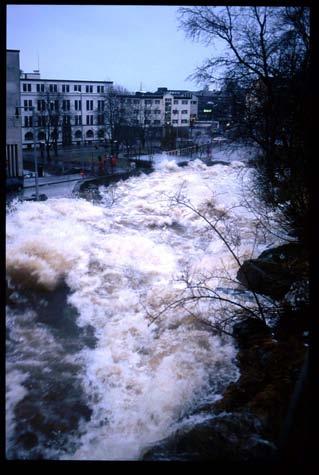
(51, 180)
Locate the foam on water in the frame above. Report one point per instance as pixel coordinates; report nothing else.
(120, 264)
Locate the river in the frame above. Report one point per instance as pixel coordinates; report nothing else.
(89, 374)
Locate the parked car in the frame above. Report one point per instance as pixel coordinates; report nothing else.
(14, 183)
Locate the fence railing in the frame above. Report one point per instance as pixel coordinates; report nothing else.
(194, 149)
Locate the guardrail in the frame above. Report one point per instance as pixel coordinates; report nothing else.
(189, 150)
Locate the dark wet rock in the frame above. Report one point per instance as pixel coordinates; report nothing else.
(269, 371)
(210, 163)
(265, 278)
(228, 437)
(250, 331)
(275, 270)
(28, 440)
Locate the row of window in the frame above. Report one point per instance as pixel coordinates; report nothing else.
(42, 121)
(77, 135)
(27, 87)
(66, 106)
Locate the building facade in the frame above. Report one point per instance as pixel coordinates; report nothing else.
(14, 163)
(75, 112)
(161, 108)
(64, 110)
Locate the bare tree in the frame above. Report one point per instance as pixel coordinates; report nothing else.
(267, 54)
(231, 301)
(113, 112)
(53, 117)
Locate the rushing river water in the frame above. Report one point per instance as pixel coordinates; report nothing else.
(88, 376)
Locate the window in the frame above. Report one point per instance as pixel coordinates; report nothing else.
(184, 102)
(89, 120)
(66, 105)
(66, 120)
(78, 134)
(175, 111)
(157, 101)
(100, 89)
(175, 121)
(28, 121)
(136, 101)
(157, 122)
(40, 87)
(89, 105)
(100, 105)
(53, 88)
(100, 119)
(185, 111)
(148, 101)
(184, 121)
(147, 122)
(90, 134)
(27, 105)
(28, 136)
(41, 105)
(77, 87)
(176, 101)
(41, 122)
(26, 87)
(157, 111)
(77, 105)
(78, 120)
(89, 88)
(65, 88)
(193, 102)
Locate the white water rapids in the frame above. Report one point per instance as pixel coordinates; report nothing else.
(120, 259)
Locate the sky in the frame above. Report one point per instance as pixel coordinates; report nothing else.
(137, 47)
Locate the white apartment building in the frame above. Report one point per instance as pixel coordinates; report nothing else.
(78, 107)
(163, 107)
(75, 102)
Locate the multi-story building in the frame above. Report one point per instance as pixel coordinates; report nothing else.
(163, 107)
(14, 164)
(65, 109)
(74, 111)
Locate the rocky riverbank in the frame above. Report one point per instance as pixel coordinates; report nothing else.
(262, 416)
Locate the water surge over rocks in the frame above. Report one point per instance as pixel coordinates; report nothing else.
(88, 376)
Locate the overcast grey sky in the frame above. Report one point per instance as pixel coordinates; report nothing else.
(127, 44)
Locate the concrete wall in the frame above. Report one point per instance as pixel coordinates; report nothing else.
(13, 124)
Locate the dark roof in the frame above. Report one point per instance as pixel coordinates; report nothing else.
(63, 80)
(15, 50)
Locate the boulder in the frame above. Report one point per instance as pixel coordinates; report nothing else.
(228, 437)
(275, 270)
(250, 331)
